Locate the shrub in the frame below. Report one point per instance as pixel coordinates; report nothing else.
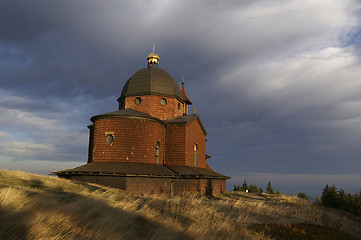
(302, 195)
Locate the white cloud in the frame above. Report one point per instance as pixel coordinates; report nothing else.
(4, 135)
(7, 98)
(27, 135)
(23, 119)
(23, 150)
(36, 166)
(328, 77)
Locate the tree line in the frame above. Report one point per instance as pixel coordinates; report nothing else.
(333, 198)
(254, 188)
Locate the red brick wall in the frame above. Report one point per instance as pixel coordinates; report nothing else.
(141, 185)
(200, 186)
(150, 105)
(219, 186)
(175, 144)
(195, 135)
(111, 181)
(189, 185)
(134, 140)
(180, 140)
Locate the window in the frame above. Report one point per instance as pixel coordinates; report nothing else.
(163, 101)
(195, 155)
(138, 100)
(179, 106)
(157, 152)
(109, 139)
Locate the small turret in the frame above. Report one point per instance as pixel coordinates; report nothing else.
(185, 98)
(153, 59)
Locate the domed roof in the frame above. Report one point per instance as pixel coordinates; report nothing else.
(151, 81)
(124, 113)
(153, 55)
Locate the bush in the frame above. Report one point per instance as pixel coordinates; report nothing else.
(302, 195)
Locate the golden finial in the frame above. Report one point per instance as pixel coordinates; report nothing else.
(153, 59)
(194, 110)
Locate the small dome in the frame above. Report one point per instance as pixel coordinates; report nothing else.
(152, 56)
(153, 59)
(151, 81)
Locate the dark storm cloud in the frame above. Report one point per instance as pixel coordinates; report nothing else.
(45, 53)
(69, 48)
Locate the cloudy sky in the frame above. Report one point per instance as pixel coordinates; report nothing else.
(277, 84)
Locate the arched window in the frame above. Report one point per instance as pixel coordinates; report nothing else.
(157, 152)
(195, 155)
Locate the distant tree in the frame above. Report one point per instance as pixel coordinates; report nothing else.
(278, 192)
(244, 186)
(269, 188)
(253, 188)
(237, 188)
(260, 190)
(302, 195)
(329, 197)
(343, 201)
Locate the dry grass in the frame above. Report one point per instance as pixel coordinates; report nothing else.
(38, 207)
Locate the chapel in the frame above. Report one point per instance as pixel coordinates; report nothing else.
(150, 144)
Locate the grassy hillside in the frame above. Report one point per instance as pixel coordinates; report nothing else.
(38, 207)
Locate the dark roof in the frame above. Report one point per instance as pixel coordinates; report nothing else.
(186, 119)
(128, 112)
(185, 96)
(153, 81)
(187, 171)
(141, 169)
(119, 168)
(183, 119)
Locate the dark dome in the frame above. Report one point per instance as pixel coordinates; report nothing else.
(153, 81)
(124, 113)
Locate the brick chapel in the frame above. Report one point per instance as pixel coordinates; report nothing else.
(151, 144)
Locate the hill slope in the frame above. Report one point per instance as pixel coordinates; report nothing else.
(39, 207)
